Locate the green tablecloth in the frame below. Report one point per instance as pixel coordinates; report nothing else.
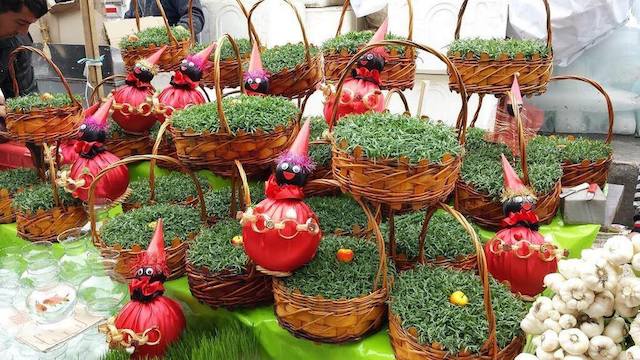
(276, 342)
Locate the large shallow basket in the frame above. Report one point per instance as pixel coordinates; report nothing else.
(487, 211)
(176, 253)
(218, 151)
(489, 76)
(46, 124)
(7, 215)
(301, 81)
(395, 182)
(399, 69)
(574, 174)
(335, 321)
(406, 346)
(173, 55)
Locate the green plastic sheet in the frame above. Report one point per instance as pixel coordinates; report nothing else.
(276, 342)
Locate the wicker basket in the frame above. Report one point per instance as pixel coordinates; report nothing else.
(173, 55)
(487, 211)
(47, 225)
(574, 174)
(7, 215)
(176, 253)
(302, 80)
(394, 182)
(46, 124)
(335, 321)
(399, 70)
(405, 344)
(489, 76)
(128, 145)
(218, 151)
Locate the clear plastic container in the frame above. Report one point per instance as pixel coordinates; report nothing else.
(50, 300)
(73, 264)
(105, 291)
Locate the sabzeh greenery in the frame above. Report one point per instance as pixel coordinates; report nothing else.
(575, 150)
(40, 197)
(17, 179)
(247, 113)
(329, 278)
(497, 47)
(37, 101)
(218, 201)
(337, 213)
(354, 40)
(212, 249)
(173, 187)
(154, 36)
(136, 226)
(227, 53)
(445, 236)
(389, 136)
(420, 297)
(319, 153)
(279, 58)
(482, 167)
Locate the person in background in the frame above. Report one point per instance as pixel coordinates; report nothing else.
(16, 16)
(177, 12)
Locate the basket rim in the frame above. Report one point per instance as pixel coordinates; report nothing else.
(170, 248)
(396, 163)
(204, 271)
(320, 301)
(471, 188)
(40, 211)
(259, 133)
(463, 61)
(177, 45)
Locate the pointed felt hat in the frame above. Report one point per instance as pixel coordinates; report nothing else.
(154, 255)
(155, 57)
(201, 59)
(517, 96)
(98, 119)
(513, 185)
(298, 153)
(378, 36)
(255, 69)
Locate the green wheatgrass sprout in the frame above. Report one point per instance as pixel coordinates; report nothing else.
(137, 226)
(213, 250)
(496, 47)
(155, 36)
(287, 56)
(388, 136)
(40, 197)
(482, 166)
(319, 153)
(227, 53)
(115, 131)
(247, 113)
(445, 236)
(17, 179)
(579, 149)
(420, 297)
(329, 278)
(174, 187)
(218, 201)
(35, 101)
(354, 40)
(337, 212)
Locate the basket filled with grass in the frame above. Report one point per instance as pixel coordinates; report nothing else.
(129, 233)
(296, 69)
(400, 64)
(487, 66)
(41, 117)
(320, 153)
(44, 212)
(13, 182)
(436, 237)
(340, 295)
(123, 144)
(220, 201)
(444, 313)
(477, 193)
(174, 188)
(228, 64)
(583, 159)
(220, 273)
(145, 43)
(339, 215)
(254, 130)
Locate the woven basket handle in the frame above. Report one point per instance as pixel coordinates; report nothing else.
(152, 164)
(246, 194)
(546, 7)
(307, 51)
(14, 80)
(381, 280)
(52, 173)
(521, 142)
(399, 92)
(345, 7)
(253, 34)
(93, 97)
(604, 93)
(132, 159)
(461, 123)
(224, 125)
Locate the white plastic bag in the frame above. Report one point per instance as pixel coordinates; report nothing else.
(365, 7)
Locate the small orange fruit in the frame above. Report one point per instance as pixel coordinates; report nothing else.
(459, 298)
(345, 255)
(237, 240)
(46, 96)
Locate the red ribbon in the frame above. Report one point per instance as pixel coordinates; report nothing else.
(83, 147)
(147, 288)
(523, 216)
(132, 80)
(366, 74)
(277, 192)
(181, 80)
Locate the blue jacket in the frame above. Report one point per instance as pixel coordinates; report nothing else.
(177, 12)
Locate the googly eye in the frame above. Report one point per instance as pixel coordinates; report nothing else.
(148, 271)
(284, 166)
(184, 61)
(296, 169)
(258, 81)
(518, 199)
(140, 272)
(83, 126)
(249, 81)
(369, 56)
(192, 64)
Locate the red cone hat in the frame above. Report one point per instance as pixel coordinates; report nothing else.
(153, 59)
(517, 95)
(512, 183)
(255, 63)
(155, 252)
(298, 153)
(201, 58)
(380, 33)
(98, 120)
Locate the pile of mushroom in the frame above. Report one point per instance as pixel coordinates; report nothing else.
(593, 313)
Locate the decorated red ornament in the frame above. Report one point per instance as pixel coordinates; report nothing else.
(92, 158)
(519, 254)
(182, 91)
(256, 78)
(137, 117)
(361, 93)
(148, 308)
(281, 233)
